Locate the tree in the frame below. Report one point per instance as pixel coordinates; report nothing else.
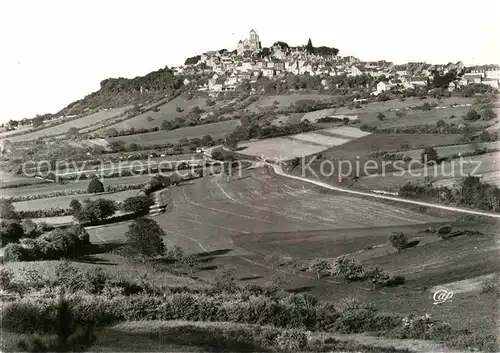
(10, 231)
(207, 140)
(273, 259)
(144, 238)
(75, 205)
(319, 266)
(94, 211)
(192, 261)
(71, 335)
(7, 210)
(426, 106)
(310, 47)
(95, 186)
(196, 110)
(117, 146)
(179, 109)
(110, 132)
(398, 240)
(224, 279)
(138, 205)
(176, 253)
(37, 121)
(380, 116)
(72, 133)
(428, 155)
(30, 228)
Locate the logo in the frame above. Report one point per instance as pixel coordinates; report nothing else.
(441, 296)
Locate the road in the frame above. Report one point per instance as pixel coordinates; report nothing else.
(278, 170)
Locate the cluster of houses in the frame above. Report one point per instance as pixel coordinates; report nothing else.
(228, 69)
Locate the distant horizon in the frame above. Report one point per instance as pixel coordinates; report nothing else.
(59, 52)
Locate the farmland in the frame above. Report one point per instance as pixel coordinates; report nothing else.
(79, 123)
(303, 144)
(63, 201)
(216, 130)
(257, 214)
(166, 111)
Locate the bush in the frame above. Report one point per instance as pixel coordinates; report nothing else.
(95, 186)
(75, 205)
(14, 252)
(10, 231)
(138, 205)
(428, 155)
(144, 238)
(488, 114)
(443, 230)
(30, 228)
(398, 240)
(292, 340)
(472, 115)
(380, 116)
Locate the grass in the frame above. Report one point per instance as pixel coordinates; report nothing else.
(216, 130)
(79, 123)
(70, 185)
(166, 112)
(9, 180)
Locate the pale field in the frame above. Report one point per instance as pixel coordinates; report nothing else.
(7, 179)
(79, 123)
(63, 201)
(327, 141)
(300, 145)
(6, 134)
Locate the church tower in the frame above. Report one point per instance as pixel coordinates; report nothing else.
(254, 40)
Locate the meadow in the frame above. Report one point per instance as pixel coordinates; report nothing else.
(63, 201)
(240, 222)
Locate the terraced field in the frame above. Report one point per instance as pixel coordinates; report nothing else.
(216, 130)
(77, 123)
(63, 201)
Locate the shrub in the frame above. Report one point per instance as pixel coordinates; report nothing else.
(95, 186)
(14, 252)
(30, 228)
(7, 210)
(10, 231)
(292, 340)
(472, 115)
(428, 155)
(443, 230)
(398, 240)
(491, 286)
(6, 279)
(488, 114)
(144, 238)
(380, 116)
(318, 266)
(224, 279)
(138, 205)
(75, 205)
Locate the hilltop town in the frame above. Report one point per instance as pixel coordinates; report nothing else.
(250, 61)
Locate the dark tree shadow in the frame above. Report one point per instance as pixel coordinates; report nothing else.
(249, 278)
(300, 289)
(411, 244)
(214, 253)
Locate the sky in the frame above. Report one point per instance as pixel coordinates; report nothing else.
(53, 52)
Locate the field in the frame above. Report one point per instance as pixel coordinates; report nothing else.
(79, 123)
(448, 173)
(285, 101)
(76, 185)
(63, 201)
(7, 179)
(216, 130)
(448, 151)
(166, 112)
(241, 221)
(303, 144)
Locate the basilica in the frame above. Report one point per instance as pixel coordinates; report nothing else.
(250, 44)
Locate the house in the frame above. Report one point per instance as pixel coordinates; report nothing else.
(493, 74)
(384, 86)
(268, 72)
(475, 78)
(218, 85)
(418, 81)
(355, 71)
(491, 82)
(452, 86)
